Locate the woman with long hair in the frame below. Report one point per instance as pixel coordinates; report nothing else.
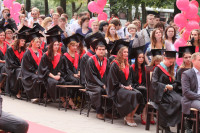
(46, 23)
(170, 38)
(163, 92)
(14, 56)
(195, 39)
(111, 34)
(119, 87)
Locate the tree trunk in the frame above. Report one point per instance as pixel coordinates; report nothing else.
(176, 10)
(112, 3)
(130, 16)
(136, 12)
(63, 5)
(46, 7)
(144, 13)
(74, 9)
(28, 5)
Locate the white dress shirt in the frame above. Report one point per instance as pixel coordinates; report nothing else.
(198, 79)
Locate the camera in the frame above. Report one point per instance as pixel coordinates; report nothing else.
(8, 14)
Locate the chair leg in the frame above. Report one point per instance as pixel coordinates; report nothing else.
(182, 123)
(113, 109)
(89, 104)
(157, 124)
(197, 121)
(148, 119)
(82, 100)
(39, 94)
(105, 109)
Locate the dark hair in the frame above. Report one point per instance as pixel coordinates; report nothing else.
(99, 45)
(65, 15)
(102, 24)
(83, 19)
(81, 15)
(42, 17)
(1, 30)
(59, 10)
(50, 51)
(16, 45)
(174, 37)
(115, 21)
(159, 25)
(137, 69)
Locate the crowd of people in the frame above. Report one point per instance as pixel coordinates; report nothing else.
(106, 59)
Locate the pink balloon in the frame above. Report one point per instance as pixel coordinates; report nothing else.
(16, 7)
(94, 8)
(90, 23)
(195, 3)
(179, 42)
(101, 3)
(16, 17)
(180, 20)
(196, 18)
(192, 24)
(191, 12)
(179, 61)
(102, 16)
(186, 35)
(182, 4)
(8, 3)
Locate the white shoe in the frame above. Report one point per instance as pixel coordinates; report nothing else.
(129, 124)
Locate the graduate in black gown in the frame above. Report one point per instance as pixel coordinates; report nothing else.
(49, 70)
(3, 49)
(30, 63)
(163, 94)
(96, 72)
(87, 55)
(185, 53)
(115, 48)
(14, 57)
(156, 57)
(119, 87)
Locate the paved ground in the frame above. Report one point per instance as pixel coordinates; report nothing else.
(70, 121)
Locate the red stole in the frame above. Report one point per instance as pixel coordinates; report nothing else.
(55, 60)
(170, 78)
(59, 50)
(37, 59)
(197, 49)
(139, 74)
(82, 54)
(19, 55)
(4, 49)
(102, 68)
(74, 61)
(114, 55)
(125, 70)
(89, 54)
(42, 45)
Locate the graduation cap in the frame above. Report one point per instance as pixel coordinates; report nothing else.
(8, 27)
(188, 49)
(22, 36)
(56, 30)
(117, 45)
(80, 37)
(100, 41)
(24, 29)
(91, 38)
(53, 38)
(33, 35)
(170, 54)
(134, 52)
(38, 27)
(155, 52)
(69, 39)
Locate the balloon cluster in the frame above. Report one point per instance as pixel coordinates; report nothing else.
(14, 7)
(188, 19)
(97, 7)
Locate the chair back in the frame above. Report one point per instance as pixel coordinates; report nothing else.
(149, 72)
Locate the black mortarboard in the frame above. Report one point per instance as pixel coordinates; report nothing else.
(80, 37)
(100, 41)
(38, 27)
(33, 35)
(170, 54)
(53, 38)
(134, 52)
(69, 39)
(56, 30)
(117, 45)
(8, 26)
(155, 52)
(189, 49)
(22, 36)
(91, 38)
(24, 29)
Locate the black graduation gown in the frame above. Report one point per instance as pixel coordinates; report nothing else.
(72, 66)
(13, 69)
(169, 102)
(125, 100)
(96, 78)
(2, 57)
(178, 80)
(111, 58)
(46, 67)
(83, 63)
(30, 64)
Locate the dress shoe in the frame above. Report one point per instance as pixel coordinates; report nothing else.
(100, 116)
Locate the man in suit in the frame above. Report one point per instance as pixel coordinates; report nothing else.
(10, 123)
(191, 86)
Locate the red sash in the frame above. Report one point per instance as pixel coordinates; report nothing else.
(170, 78)
(197, 49)
(82, 54)
(4, 49)
(37, 59)
(42, 45)
(139, 74)
(89, 54)
(55, 60)
(125, 70)
(19, 55)
(102, 68)
(114, 56)
(74, 61)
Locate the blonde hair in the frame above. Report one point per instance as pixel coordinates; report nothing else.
(36, 38)
(55, 14)
(71, 43)
(132, 26)
(171, 69)
(120, 59)
(194, 56)
(156, 58)
(46, 21)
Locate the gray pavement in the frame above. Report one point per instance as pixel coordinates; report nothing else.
(70, 121)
